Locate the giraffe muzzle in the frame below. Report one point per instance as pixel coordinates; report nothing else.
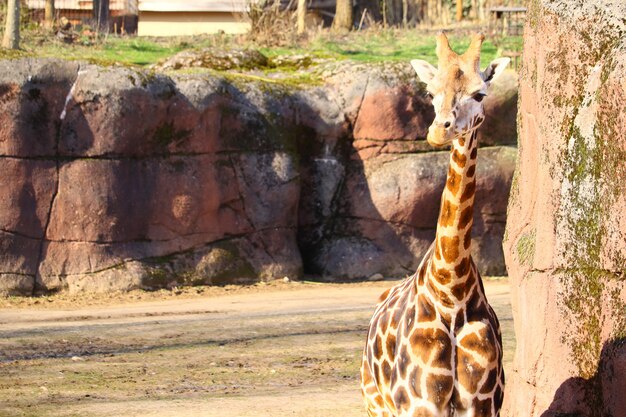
(439, 135)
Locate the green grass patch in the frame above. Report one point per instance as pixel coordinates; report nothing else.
(364, 46)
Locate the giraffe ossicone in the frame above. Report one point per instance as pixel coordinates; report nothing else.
(434, 347)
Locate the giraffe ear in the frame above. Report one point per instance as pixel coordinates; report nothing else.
(494, 69)
(425, 71)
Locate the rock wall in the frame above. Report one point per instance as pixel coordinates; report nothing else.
(116, 179)
(565, 244)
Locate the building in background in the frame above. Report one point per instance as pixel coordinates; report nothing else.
(191, 17)
(122, 13)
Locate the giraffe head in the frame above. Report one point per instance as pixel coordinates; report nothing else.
(457, 87)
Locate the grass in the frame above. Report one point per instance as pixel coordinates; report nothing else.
(364, 46)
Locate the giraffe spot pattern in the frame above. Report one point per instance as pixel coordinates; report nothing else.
(482, 343)
(471, 171)
(490, 382)
(442, 276)
(449, 248)
(461, 270)
(454, 181)
(459, 320)
(401, 399)
(482, 407)
(467, 215)
(439, 389)
(415, 379)
(425, 309)
(468, 370)
(474, 153)
(428, 343)
(468, 192)
(448, 210)
(459, 158)
(467, 240)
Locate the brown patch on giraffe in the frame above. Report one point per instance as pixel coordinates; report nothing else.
(482, 407)
(459, 158)
(449, 248)
(401, 399)
(459, 321)
(402, 362)
(439, 388)
(476, 310)
(432, 343)
(448, 210)
(482, 343)
(498, 396)
(379, 401)
(390, 345)
(443, 298)
(459, 291)
(469, 372)
(454, 181)
(490, 382)
(467, 240)
(461, 141)
(471, 171)
(410, 318)
(414, 382)
(420, 275)
(442, 276)
(383, 322)
(386, 369)
(474, 153)
(377, 375)
(469, 191)
(377, 349)
(467, 215)
(396, 317)
(425, 309)
(461, 270)
(384, 296)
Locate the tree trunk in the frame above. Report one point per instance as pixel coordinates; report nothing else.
(48, 21)
(101, 14)
(301, 17)
(343, 16)
(459, 10)
(405, 13)
(12, 29)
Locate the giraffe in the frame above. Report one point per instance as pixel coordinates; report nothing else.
(434, 347)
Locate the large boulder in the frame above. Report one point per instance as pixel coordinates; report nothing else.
(116, 178)
(566, 228)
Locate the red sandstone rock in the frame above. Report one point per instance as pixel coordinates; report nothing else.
(566, 234)
(147, 181)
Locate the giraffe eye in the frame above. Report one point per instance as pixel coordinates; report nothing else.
(479, 97)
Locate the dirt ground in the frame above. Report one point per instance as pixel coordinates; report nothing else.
(278, 349)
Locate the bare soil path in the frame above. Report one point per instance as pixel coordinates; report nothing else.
(283, 349)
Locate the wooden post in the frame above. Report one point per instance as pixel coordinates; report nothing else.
(48, 21)
(101, 14)
(343, 16)
(459, 10)
(301, 17)
(11, 37)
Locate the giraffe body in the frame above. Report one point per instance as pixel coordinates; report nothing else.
(434, 346)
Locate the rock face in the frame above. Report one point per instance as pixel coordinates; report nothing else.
(566, 230)
(116, 179)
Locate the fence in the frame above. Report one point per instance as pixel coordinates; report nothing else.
(119, 17)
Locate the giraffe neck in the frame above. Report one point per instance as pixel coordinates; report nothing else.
(450, 262)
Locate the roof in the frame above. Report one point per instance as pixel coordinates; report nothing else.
(193, 5)
(77, 4)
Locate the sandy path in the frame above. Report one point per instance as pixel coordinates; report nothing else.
(274, 352)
